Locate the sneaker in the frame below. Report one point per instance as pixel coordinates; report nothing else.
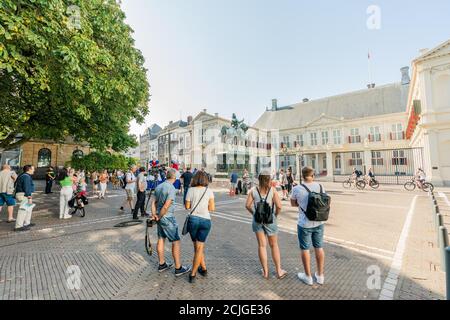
(30, 225)
(191, 278)
(68, 216)
(24, 228)
(305, 279)
(182, 270)
(202, 272)
(319, 279)
(121, 209)
(164, 267)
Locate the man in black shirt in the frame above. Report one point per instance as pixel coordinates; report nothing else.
(187, 177)
(49, 177)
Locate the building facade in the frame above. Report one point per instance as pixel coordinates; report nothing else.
(393, 129)
(147, 143)
(428, 110)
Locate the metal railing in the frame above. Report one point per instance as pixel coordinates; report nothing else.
(442, 241)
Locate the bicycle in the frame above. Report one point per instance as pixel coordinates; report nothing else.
(413, 184)
(359, 184)
(372, 182)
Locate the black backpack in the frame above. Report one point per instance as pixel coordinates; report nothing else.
(318, 205)
(263, 211)
(124, 184)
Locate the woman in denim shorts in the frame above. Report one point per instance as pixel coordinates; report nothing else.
(200, 200)
(266, 232)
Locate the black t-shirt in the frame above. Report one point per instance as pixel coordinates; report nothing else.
(187, 177)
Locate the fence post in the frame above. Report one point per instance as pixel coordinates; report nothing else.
(439, 223)
(447, 271)
(443, 244)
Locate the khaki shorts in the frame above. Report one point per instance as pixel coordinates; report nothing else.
(130, 194)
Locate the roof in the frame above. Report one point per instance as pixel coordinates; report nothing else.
(381, 100)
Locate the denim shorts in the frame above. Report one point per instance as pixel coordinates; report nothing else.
(308, 235)
(268, 229)
(168, 228)
(8, 199)
(199, 228)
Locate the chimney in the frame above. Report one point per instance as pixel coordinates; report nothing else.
(274, 104)
(216, 115)
(371, 86)
(423, 51)
(189, 119)
(405, 75)
(170, 122)
(204, 110)
(305, 100)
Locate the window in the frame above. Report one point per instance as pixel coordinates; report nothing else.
(324, 163)
(399, 158)
(356, 159)
(337, 136)
(78, 154)
(44, 158)
(397, 132)
(377, 159)
(324, 137)
(313, 136)
(354, 136)
(375, 134)
(300, 140)
(286, 142)
(337, 162)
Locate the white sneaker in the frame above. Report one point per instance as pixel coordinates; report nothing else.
(305, 279)
(319, 279)
(67, 216)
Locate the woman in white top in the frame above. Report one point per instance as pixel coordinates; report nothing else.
(200, 200)
(266, 231)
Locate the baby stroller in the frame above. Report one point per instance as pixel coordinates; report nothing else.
(78, 202)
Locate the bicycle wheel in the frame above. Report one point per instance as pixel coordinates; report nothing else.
(360, 185)
(374, 184)
(410, 186)
(83, 212)
(347, 184)
(148, 244)
(427, 187)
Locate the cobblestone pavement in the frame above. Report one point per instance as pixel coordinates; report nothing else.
(363, 237)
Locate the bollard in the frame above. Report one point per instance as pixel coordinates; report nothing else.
(443, 244)
(447, 270)
(439, 223)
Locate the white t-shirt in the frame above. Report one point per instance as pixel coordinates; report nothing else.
(131, 181)
(193, 195)
(301, 195)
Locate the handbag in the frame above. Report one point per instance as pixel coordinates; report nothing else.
(186, 222)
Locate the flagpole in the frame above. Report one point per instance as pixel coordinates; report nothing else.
(369, 73)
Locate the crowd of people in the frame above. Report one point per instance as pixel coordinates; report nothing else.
(159, 186)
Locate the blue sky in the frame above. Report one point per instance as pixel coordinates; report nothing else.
(236, 55)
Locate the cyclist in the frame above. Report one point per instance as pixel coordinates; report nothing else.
(420, 177)
(370, 176)
(356, 174)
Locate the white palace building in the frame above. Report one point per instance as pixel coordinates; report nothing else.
(393, 129)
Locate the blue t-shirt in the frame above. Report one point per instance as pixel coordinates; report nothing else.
(234, 177)
(164, 192)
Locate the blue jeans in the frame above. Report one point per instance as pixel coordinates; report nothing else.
(186, 188)
(306, 236)
(199, 228)
(168, 228)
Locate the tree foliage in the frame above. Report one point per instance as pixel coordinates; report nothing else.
(58, 80)
(101, 161)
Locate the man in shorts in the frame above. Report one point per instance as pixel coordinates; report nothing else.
(7, 179)
(130, 188)
(309, 232)
(163, 208)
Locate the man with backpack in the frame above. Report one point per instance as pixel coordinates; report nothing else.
(130, 188)
(314, 206)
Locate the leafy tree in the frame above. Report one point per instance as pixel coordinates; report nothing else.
(100, 161)
(61, 77)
